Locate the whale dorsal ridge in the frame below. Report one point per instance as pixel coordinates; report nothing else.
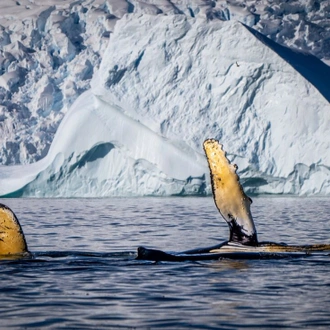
(229, 197)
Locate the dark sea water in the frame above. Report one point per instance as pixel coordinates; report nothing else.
(84, 274)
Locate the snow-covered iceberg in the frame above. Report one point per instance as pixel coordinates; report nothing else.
(166, 83)
(190, 79)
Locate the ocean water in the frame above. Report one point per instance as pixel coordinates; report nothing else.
(84, 274)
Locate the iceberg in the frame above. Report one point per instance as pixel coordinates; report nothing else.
(168, 81)
(190, 79)
(99, 151)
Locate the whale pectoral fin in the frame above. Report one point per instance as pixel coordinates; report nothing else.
(12, 240)
(229, 197)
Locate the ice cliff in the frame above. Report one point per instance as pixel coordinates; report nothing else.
(169, 77)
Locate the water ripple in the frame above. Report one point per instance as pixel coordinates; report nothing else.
(83, 274)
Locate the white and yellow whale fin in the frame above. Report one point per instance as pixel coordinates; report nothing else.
(12, 240)
(228, 194)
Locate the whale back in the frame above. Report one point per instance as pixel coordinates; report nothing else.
(12, 240)
(229, 197)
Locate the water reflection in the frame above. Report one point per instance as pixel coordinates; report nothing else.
(227, 264)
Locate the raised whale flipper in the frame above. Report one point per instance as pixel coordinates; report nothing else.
(234, 206)
(228, 194)
(12, 240)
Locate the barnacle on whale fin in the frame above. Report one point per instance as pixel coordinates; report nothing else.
(12, 240)
(229, 197)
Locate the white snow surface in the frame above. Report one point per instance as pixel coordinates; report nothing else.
(171, 75)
